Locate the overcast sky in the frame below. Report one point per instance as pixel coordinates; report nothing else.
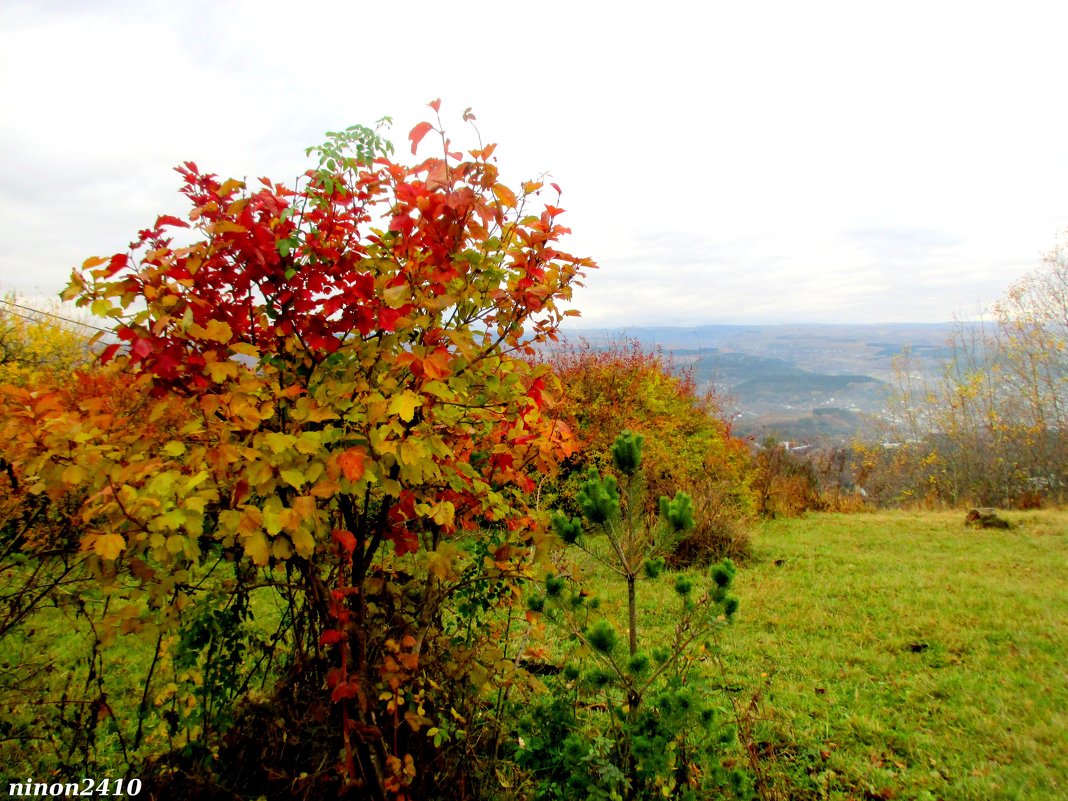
(721, 161)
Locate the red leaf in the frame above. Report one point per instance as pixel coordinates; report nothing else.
(141, 348)
(118, 261)
(330, 637)
(347, 689)
(345, 540)
(404, 542)
(418, 132)
(435, 104)
(387, 318)
(167, 219)
(108, 353)
(503, 461)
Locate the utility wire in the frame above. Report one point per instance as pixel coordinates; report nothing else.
(49, 314)
(27, 318)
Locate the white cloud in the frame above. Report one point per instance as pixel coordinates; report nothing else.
(765, 162)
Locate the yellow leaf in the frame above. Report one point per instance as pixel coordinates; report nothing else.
(278, 442)
(174, 448)
(309, 442)
(195, 480)
(218, 331)
(220, 371)
(231, 185)
(272, 521)
(74, 474)
(245, 349)
(442, 561)
(303, 542)
(404, 405)
(281, 549)
(293, 477)
(305, 506)
(505, 195)
(227, 227)
(380, 442)
(395, 296)
(257, 548)
(437, 389)
(251, 521)
(443, 513)
(108, 546)
(411, 451)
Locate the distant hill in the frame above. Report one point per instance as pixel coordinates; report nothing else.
(804, 382)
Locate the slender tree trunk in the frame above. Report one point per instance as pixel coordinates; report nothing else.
(632, 608)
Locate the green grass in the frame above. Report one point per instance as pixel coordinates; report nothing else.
(895, 656)
(908, 656)
(45, 676)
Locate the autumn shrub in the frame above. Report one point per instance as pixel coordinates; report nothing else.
(688, 444)
(783, 483)
(39, 339)
(721, 528)
(325, 404)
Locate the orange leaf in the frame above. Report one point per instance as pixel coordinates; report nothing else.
(351, 462)
(345, 540)
(418, 132)
(436, 365)
(435, 104)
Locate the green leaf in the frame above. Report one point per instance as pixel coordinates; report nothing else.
(627, 452)
(602, 637)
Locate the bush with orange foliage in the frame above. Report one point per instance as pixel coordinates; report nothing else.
(689, 447)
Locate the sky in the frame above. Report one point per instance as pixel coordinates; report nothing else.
(722, 162)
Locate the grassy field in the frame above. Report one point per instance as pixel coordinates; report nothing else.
(880, 656)
(904, 656)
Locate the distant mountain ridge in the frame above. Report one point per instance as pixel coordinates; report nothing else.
(795, 381)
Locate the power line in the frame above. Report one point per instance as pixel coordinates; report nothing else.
(29, 319)
(49, 314)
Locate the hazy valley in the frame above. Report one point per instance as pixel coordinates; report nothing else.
(811, 382)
